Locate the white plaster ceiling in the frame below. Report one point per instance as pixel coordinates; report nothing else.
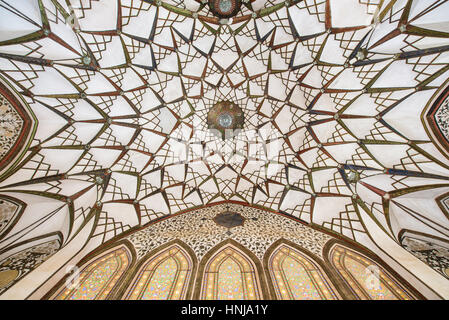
(120, 91)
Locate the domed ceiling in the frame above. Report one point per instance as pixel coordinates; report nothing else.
(337, 112)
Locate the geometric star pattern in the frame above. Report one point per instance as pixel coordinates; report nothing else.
(332, 101)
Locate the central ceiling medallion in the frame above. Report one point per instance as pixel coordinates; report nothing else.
(225, 119)
(225, 8)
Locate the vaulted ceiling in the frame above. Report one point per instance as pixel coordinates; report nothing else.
(105, 105)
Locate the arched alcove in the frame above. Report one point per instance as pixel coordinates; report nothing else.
(97, 278)
(230, 272)
(164, 274)
(293, 273)
(366, 278)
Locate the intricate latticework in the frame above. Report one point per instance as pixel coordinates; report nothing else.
(117, 94)
(25, 257)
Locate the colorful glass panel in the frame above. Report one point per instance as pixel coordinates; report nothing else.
(367, 279)
(230, 275)
(98, 278)
(164, 277)
(297, 278)
(230, 282)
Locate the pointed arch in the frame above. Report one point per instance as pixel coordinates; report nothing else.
(229, 271)
(164, 274)
(99, 278)
(367, 279)
(294, 273)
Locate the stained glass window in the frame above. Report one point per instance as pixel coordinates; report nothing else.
(165, 276)
(98, 278)
(366, 278)
(230, 275)
(295, 277)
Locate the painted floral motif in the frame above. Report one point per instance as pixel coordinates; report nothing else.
(442, 118)
(9, 209)
(199, 231)
(436, 256)
(27, 260)
(10, 126)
